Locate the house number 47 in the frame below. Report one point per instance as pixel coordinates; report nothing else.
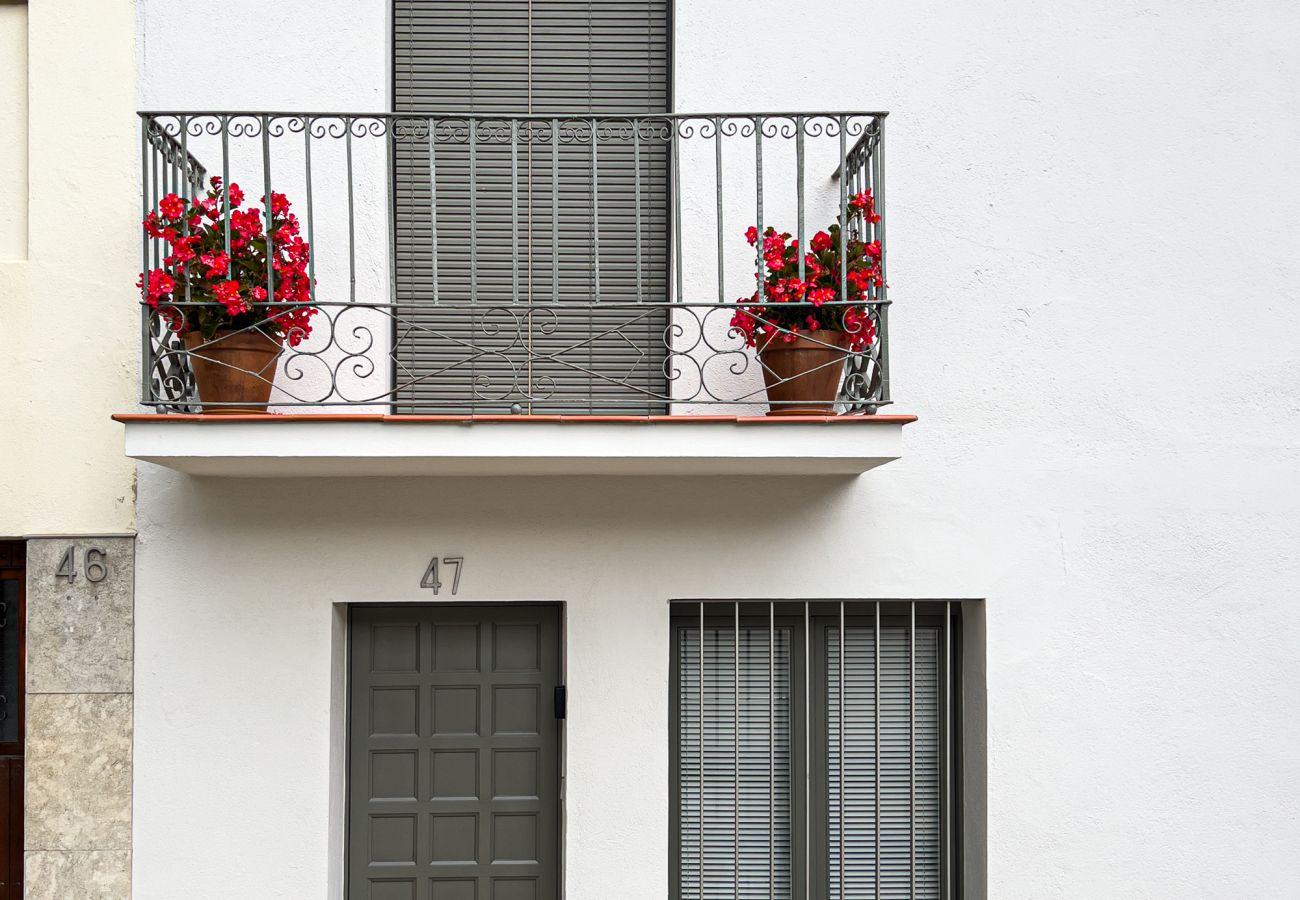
(431, 579)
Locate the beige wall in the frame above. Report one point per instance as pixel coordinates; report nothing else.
(70, 324)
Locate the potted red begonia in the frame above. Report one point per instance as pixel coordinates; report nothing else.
(218, 303)
(802, 328)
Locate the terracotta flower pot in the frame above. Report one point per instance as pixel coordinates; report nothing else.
(235, 367)
(803, 376)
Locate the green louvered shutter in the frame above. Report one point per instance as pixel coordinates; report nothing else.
(543, 57)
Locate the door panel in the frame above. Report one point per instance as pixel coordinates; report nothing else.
(454, 753)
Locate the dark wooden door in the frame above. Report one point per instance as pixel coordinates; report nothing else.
(454, 753)
(12, 702)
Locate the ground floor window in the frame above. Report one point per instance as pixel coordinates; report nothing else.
(814, 748)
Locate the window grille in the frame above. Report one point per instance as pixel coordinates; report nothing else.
(817, 762)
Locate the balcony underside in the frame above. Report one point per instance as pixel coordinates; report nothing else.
(314, 445)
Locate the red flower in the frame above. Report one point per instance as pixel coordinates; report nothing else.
(217, 262)
(821, 242)
(236, 195)
(751, 235)
(172, 207)
(279, 204)
(227, 292)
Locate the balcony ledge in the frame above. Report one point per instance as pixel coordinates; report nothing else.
(284, 446)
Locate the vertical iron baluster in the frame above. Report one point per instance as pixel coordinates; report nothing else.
(433, 209)
(880, 203)
(185, 181)
(636, 202)
(735, 811)
(798, 175)
(473, 210)
(844, 212)
(514, 210)
(153, 183)
(771, 751)
(911, 745)
(390, 185)
(882, 293)
(595, 213)
(146, 323)
(555, 210)
(876, 751)
(352, 221)
(758, 174)
(701, 847)
(945, 808)
(717, 170)
(311, 225)
(674, 124)
(266, 203)
(843, 658)
(225, 180)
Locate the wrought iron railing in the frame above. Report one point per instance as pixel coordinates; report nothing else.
(536, 264)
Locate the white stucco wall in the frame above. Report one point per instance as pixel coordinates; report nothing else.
(1092, 258)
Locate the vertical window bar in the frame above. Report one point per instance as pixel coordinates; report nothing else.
(717, 168)
(945, 807)
(735, 810)
(807, 754)
(843, 655)
(911, 744)
(555, 210)
(702, 823)
(266, 203)
(514, 210)
(636, 203)
(844, 211)
(876, 716)
(311, 231)
(433, 208)
(473, 210)
(677, 206)
(595, 213)
(771, 750)
(758, 178)
(798, 175)
(352, 221)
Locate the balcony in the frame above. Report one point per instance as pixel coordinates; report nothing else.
(509, 294)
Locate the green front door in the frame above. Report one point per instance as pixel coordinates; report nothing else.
(453, 753)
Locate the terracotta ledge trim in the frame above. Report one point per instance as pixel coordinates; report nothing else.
(164, 418)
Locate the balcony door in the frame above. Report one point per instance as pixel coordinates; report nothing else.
(498, 233)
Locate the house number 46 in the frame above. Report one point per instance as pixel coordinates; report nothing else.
(94, 564)
(431, 579)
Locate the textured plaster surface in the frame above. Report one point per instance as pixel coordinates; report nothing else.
(1092, 237)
